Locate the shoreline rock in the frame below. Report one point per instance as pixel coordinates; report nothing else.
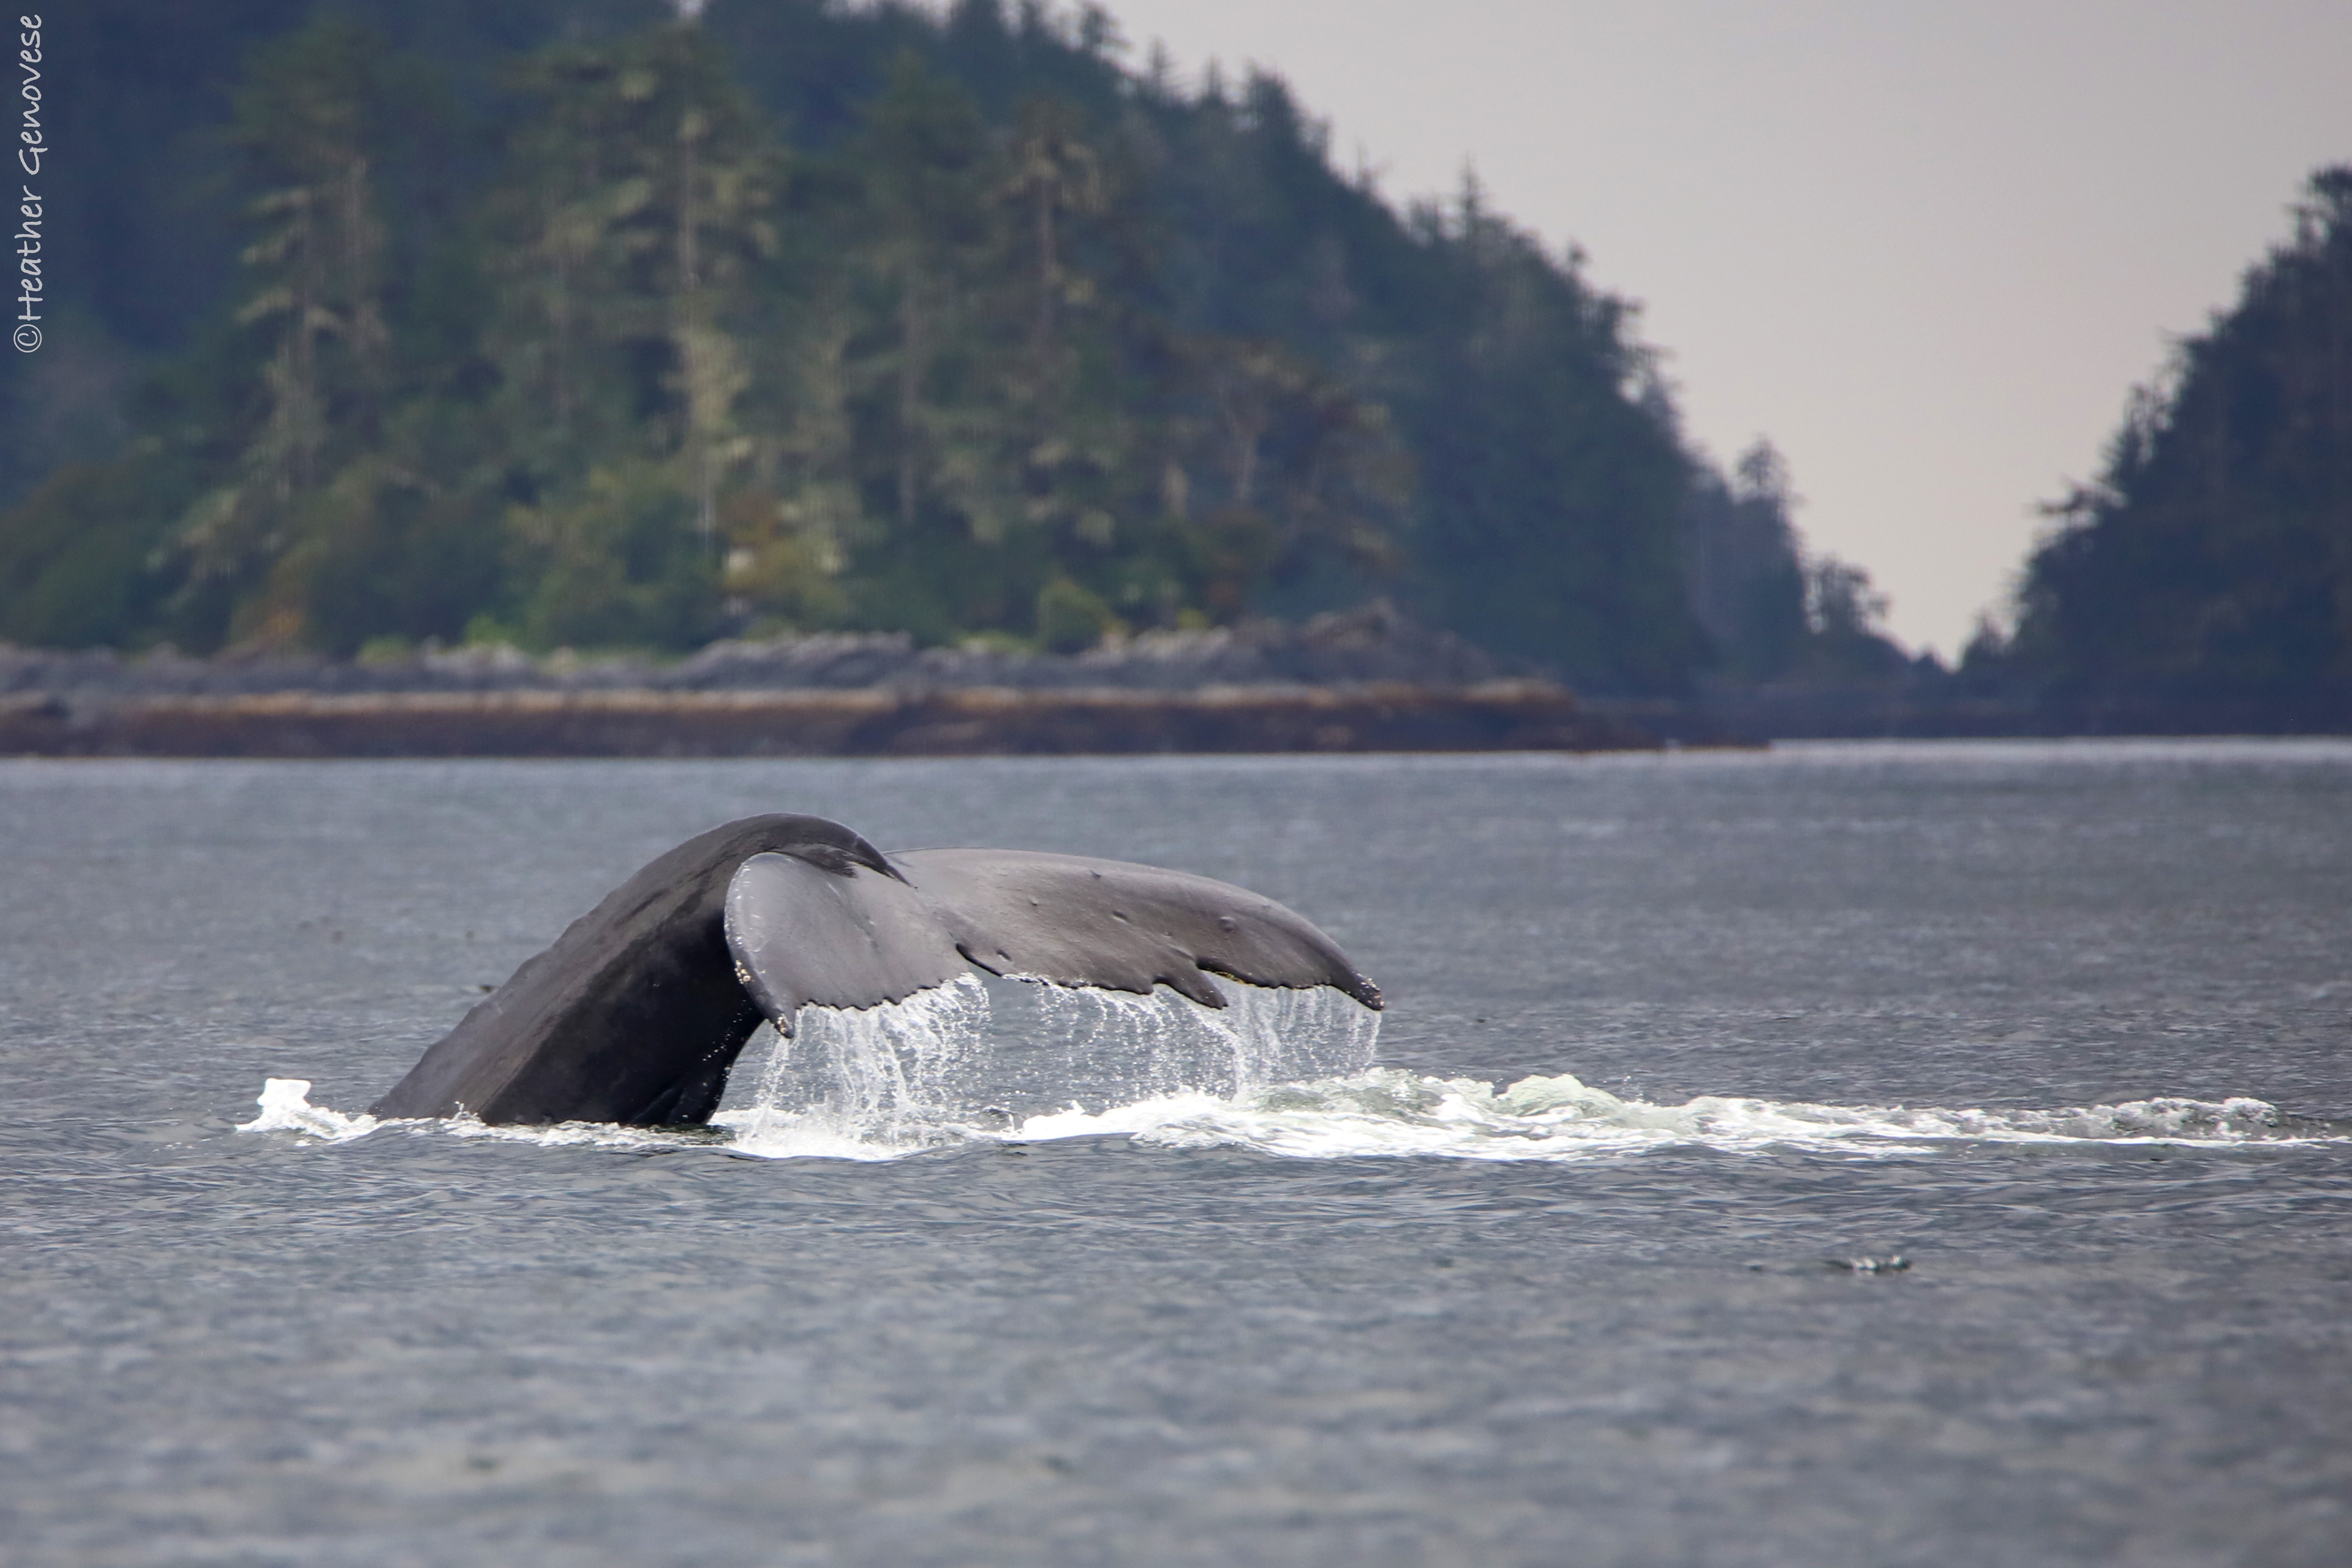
(1504, 715)
(1374, 643)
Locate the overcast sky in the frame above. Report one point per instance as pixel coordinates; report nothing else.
(1927, 249)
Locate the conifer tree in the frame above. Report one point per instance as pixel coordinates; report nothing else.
(2213, 555)
(313, 118)
(638, 213)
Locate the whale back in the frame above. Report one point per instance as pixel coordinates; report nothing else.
(635, 1014)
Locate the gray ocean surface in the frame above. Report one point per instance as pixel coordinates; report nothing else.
(1554, 1268)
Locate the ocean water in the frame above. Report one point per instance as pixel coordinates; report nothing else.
(1846, 1154)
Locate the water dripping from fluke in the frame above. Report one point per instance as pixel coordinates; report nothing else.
(991, 1060)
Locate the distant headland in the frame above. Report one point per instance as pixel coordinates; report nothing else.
(955, 344)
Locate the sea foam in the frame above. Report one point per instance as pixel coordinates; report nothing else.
(1288, 1073)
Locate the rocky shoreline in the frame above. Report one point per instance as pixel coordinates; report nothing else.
(869, 721)
(1364, 681)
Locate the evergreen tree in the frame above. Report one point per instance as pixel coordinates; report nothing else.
(635, 218)
(314, 119)
(1553, 482)
(2213, 555)
(1747, 587)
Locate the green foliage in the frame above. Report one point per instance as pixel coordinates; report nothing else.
(386, 554)
(73, 556)
(632, 218)
(809, 316)
(2213, 556)
(1552, 480)
(620, 565)
(316, 115)
(1070, 619)
(1769, 613)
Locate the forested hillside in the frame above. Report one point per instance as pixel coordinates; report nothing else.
(575, 325)
(2213, 555)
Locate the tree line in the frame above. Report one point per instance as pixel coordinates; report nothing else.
(2212, 555)
(799, 317)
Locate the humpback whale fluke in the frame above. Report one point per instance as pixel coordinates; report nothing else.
(640, 1008)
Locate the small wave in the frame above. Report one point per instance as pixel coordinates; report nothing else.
(286, 1107)
(1388, 1111)
(1384, 1112)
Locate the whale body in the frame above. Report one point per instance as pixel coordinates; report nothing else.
(639, 1011)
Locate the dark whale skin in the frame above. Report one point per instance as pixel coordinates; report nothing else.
(635, 1014)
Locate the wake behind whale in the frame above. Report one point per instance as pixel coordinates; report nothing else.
(1280, 1073)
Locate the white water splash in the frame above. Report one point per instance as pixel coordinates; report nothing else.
(1388, 1111)
(1281, 1072)
(286, 1107)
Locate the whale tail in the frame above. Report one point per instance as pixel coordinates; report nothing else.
(803, 936)
(637, 1012)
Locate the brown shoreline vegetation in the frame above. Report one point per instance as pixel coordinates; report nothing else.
(1390, 716)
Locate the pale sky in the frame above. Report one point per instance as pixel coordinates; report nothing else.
(1927, 249)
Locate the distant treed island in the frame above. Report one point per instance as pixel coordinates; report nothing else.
(573, 326)
(383, 327)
